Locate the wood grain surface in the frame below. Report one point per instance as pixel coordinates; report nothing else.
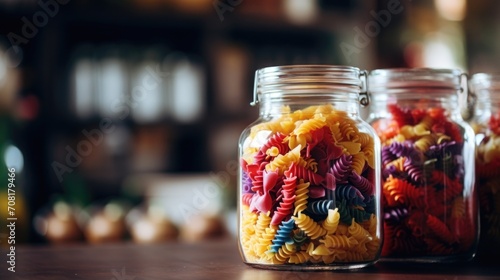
(218, 259)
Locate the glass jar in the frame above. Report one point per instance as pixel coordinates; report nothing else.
(486, 125)
(429, 202)
(309, 178)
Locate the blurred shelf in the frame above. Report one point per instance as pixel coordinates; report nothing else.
(257, 39)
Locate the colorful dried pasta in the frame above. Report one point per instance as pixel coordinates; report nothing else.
(313, 185)
(488, 183)
(426, 196)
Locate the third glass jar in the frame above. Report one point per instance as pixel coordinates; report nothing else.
(428, 176)
(486, 125)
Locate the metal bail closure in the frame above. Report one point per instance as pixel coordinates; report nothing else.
(364, 97)
(469, 98)
(470, 95)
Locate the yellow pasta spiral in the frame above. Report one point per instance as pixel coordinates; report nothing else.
(338, 242)
(358, 232)
(331, 222)
(349, 130)
(283, 162)
(284, 253)
(299, 257)
(424, 126)
(309, 226)
(265, 241)
(309, 125)
(301, 197)
(358, 163)
(350, 147)
(336, 133)
(310, 164)
(425, 142)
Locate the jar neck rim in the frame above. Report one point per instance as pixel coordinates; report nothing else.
(304, 80)
(485, 81)
(383, 80)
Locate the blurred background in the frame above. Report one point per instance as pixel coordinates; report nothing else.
(122, 118)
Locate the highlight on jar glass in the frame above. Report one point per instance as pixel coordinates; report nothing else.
(429, 201)
(486, 125)
(309, 181)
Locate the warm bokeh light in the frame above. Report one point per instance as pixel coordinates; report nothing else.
(454, 10)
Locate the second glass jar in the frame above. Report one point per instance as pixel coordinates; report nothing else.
(429, 201)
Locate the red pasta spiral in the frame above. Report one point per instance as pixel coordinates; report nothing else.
(398, 240)
(283, 211)
(452, 188)
(304, 173)
(418, 115)
(453, 131)
(416, 223)
(440, 229)
(399, 192)
(257, 182)
(400, 115)
(246, 198)
(277, 140)
(289, 186)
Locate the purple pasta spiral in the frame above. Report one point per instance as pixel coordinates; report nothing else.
(392, 170)
(387, 155)
(436, 151)
(341, 169)
(415, 172)
(362, 184)
(401, 149)
(246, 183)
(406, 149)
(449, 158)
(395, 214)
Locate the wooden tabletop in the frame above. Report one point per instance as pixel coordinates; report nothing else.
(208, 260)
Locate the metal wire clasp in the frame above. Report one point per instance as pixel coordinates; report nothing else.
(364, 96)
(469, 99)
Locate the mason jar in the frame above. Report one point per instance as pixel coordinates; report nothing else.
(309, 177)
(429, 201)
(486, 125)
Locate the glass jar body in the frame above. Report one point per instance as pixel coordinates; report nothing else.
(429, 201)
(309, 184)
(486, 125)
